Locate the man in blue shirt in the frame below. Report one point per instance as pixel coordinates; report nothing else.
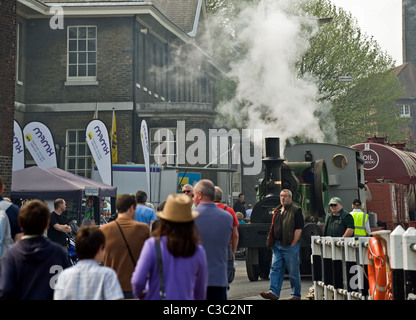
(215, 227)
(143, 213)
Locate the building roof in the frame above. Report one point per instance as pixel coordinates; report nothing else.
(183, 13)
(407, 77)
(181, 17)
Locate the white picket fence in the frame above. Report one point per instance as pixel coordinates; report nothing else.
(339, 265)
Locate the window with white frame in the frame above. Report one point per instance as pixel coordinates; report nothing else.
(405, 111)
(82, 53)
(78, 158)
(19, 53)
(163, 145)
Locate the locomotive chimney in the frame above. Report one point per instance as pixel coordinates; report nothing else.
(272, 162)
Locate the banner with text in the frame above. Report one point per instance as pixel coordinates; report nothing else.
(144, 134)
(114, 153)
(99, 143)
(39, 142)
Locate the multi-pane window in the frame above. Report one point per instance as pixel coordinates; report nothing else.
(78, 157)
(19, 53)
(405, 111)
(82, 52)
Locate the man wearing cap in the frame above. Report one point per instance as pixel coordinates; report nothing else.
(338, 223)
(361, 221)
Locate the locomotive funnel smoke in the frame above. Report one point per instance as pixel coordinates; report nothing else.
(268, 88)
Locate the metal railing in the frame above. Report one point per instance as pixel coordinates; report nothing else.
(340, 265)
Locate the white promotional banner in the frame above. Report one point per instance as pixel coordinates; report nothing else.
(39, 142)
(18, 148)
(146, 153)
(99, 143)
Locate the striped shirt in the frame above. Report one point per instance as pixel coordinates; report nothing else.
(87, 280)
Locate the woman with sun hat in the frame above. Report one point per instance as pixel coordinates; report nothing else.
(182, 258)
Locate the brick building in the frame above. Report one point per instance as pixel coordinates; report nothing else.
(144, 60)
(406, 72)
(7, 93)
(406, 104)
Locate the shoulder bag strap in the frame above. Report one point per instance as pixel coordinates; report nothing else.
(160, 269)
(127, 245)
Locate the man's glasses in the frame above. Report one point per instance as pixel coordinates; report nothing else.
(186, 191)
(333, 205)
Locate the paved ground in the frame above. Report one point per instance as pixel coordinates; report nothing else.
(244, 289)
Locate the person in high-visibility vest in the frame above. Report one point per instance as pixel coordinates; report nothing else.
(361, 221)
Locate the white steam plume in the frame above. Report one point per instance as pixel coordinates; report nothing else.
(267, 81)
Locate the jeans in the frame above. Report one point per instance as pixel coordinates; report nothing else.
(230, 265)
(285, 257)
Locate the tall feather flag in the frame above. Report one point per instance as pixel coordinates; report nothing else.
(114, 139)
(146, 152)
(95, 116)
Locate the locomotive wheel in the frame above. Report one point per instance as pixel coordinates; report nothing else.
(252, 266)
(309, 230)
(265, 259)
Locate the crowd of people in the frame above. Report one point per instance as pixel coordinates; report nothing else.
(122, 259)
(184, 249)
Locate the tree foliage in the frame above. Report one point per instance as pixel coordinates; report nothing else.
(366, 105)
(360, 108)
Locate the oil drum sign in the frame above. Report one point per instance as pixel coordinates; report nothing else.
(370, 157)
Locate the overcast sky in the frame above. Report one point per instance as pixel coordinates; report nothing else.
(381, 19)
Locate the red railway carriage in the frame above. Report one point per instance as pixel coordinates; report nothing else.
(391, 175)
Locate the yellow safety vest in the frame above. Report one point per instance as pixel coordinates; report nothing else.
(360, 220)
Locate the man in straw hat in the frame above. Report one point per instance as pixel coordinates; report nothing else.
(215, 228)
(183, 258)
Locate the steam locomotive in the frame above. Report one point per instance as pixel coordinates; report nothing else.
(314, 173)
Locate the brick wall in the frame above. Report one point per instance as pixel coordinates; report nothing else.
(409, 28)
(6, 173)
(46, 62)
(7, 83)
(45, 77)
(58, 123)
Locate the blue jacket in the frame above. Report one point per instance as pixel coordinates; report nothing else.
(30, 268)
